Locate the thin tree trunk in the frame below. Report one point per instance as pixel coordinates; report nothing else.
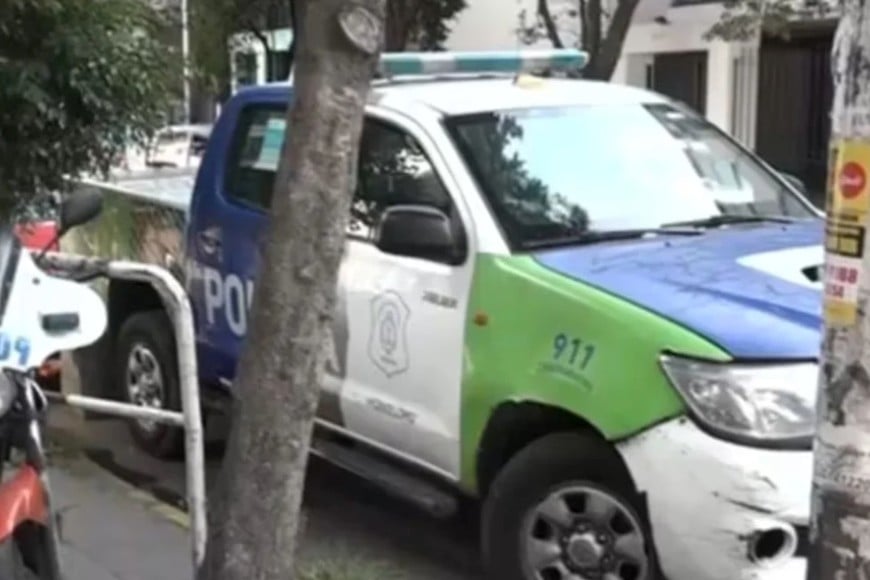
(400, 21)
(582, 11)
(549, 24)
(605, 55)
(255, 509)
(267, 52)
(295, 29)
(840, 518)
(593, 28)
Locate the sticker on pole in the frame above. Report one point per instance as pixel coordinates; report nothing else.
(851, 182)
(845, 239)
(842, 276)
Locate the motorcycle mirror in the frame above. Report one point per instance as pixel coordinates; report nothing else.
(79, 209)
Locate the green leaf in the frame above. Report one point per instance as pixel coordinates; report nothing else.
(76, 78)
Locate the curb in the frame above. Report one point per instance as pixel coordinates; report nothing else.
(72, 442)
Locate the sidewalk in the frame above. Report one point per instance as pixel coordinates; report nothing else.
(110, 531)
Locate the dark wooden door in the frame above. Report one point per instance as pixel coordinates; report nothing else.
(681, 76)
(795, 91)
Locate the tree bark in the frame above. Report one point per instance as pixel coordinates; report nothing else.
(840, 519)
(267, 52)
(400, 24)
(255, 509)
(603, 52)
(550, 23)
(605, 56)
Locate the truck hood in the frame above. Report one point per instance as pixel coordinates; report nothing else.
(753, 290)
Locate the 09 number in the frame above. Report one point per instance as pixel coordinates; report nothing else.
(572, 350)
(11, 347)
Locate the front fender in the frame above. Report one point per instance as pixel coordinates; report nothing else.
(22, 499)
(557, 342)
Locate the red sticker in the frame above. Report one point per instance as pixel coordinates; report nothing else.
(853, 179)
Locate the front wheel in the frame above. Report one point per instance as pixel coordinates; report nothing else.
(564, 508)
(147, 370)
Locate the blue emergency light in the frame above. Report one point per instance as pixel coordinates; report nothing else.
(513, 62)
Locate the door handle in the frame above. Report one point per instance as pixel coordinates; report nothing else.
(209, 241)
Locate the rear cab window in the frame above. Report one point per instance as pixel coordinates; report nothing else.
(393, 169)
(253, 160)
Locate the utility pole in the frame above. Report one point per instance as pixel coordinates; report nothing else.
(840, 518)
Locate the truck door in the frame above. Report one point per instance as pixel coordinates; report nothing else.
(227, 225)
(406, 314)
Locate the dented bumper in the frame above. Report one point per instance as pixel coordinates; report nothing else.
(721, 511)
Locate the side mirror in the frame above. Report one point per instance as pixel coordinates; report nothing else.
(418, 231)
(795, 182)
(79, 209)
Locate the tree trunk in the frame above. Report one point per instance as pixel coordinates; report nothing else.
(550, 23)
(255, 509)
(268, 57)
(840, 517)
(604, 52)
(604, 55)
(400, 21)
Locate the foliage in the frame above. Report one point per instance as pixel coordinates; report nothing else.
(743, 20)
(598, 27)
(79, 81)
(213, 25)
(423, 24)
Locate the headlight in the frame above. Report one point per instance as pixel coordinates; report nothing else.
(757, 404)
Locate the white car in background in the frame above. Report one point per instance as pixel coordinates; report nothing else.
(178, 146)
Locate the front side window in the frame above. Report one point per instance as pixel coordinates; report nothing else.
(551, 173)
(393, 170)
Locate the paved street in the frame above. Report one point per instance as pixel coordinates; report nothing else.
(345, 516)
(109, 531)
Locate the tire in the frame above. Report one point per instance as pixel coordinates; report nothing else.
(573, 472)
(11, 563)
(148, 337)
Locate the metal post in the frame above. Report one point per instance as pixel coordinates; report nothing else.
(840, 519)
(175, 300)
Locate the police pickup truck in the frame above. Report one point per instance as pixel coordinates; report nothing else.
(607, 331)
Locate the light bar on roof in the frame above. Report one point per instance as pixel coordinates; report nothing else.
(508, 61)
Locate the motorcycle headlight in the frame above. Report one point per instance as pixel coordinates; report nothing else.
(8, 392)
(757, 404)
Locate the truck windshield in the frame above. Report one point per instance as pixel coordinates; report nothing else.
(552, 173)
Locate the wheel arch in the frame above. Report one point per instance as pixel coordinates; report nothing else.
(123, 299)
(128, 297)
(515, 424)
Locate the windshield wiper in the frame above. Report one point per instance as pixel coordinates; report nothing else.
(598, 236)
(725, 219)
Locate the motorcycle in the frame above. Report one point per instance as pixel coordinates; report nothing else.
(40, 315)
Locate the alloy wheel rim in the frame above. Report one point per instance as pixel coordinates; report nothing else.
(582, 532)
(144, 383)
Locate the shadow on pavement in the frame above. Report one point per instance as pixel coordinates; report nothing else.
(343, 513)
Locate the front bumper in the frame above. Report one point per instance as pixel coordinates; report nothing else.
(710, 503)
